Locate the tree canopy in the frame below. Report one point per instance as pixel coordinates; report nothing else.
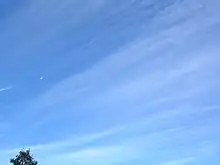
(24, 157)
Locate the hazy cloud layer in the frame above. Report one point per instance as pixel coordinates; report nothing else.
(111, 82)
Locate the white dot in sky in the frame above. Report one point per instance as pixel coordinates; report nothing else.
(41, 78)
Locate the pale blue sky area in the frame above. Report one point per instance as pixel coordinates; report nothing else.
(110, 82)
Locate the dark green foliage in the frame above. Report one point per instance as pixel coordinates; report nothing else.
(23, 158)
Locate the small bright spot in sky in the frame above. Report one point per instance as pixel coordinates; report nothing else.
(41, 78)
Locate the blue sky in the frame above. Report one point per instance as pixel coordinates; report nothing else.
(110, 82)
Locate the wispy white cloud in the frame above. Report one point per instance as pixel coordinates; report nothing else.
(182, 161)
(6, 89)
(96, 156)
(127, 143)
(131, 142)
(129, 70)
(145, 97)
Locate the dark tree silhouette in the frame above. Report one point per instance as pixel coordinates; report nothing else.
(24, 157)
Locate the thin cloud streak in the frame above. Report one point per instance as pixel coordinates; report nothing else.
(6, 89)
(182, 161)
